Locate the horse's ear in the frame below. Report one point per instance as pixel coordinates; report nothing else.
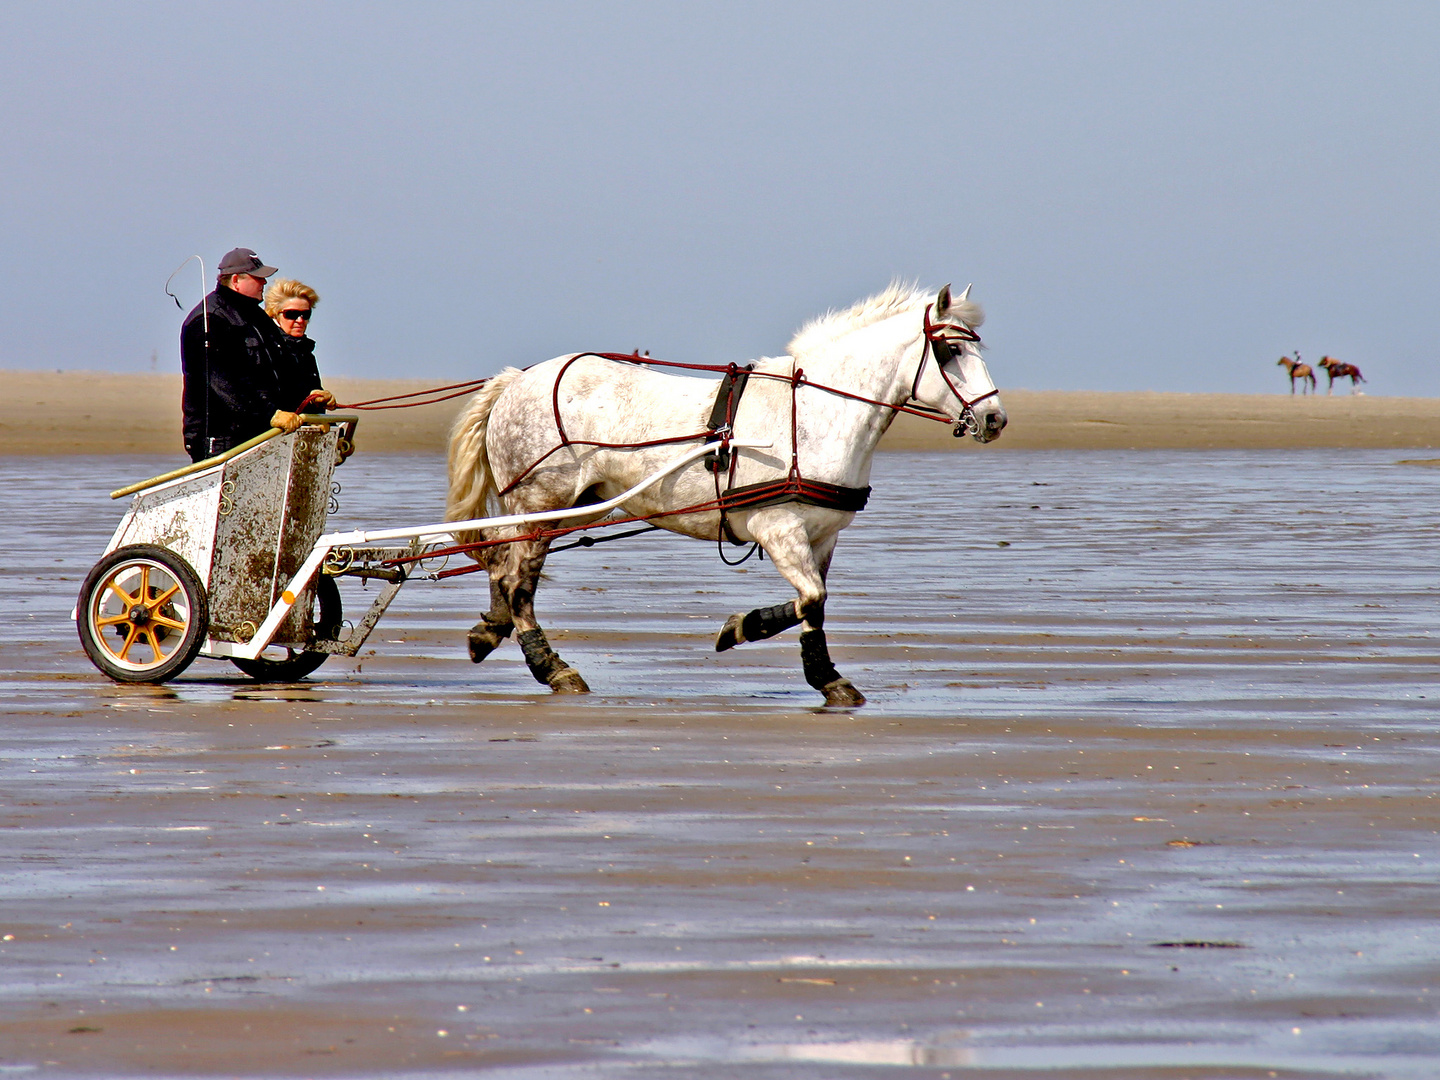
(942, 302)
(966, 294)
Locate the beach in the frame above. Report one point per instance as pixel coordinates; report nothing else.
(99, 413)
(1145, 790)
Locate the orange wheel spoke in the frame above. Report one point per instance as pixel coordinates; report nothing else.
(114, 587)
(111, 620)
(173, 624)
(124, 653)
(164, 596)
(144, 591)
(154, 644)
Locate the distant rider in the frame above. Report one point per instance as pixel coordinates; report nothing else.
(234, 386)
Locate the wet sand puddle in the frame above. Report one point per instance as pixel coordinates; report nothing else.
(1147, 787)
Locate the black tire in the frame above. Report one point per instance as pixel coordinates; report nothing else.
(298, 664)
(142, 615)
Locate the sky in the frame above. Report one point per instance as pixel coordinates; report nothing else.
(1147, 196)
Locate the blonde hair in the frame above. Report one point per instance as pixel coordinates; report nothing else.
(277, 292)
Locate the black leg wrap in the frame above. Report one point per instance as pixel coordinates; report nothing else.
(485, 637)
(543, 660)
(820, 673)
(766, 622)
(815, 655)
(758, 625)
(546, 665)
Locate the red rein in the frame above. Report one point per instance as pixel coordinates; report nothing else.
(459, 390)
(935, 333)
(793, 487)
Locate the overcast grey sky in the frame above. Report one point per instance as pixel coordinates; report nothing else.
(1146, 195)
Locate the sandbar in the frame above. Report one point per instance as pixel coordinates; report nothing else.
(86, 412)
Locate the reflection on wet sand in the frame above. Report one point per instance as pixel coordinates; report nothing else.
(1150, 788)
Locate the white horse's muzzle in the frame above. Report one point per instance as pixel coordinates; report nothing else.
(990, 421)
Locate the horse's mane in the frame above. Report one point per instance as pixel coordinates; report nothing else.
(898, 299)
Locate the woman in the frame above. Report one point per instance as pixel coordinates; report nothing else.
(291, 303)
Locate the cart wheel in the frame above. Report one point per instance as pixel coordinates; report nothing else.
(297, 664)
(142, 614)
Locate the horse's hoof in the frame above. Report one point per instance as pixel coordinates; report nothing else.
(842, 694)
(568, 681)
(482, 641)
(729, 635)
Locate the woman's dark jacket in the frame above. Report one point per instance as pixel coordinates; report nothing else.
(299, 374)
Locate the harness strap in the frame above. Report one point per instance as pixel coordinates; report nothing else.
(793, 487)
(938, 343)
(769, 493)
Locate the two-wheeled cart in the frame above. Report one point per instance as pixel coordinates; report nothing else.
(228, 559)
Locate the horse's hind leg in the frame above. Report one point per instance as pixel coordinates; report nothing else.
(514, 585)
(494, 626)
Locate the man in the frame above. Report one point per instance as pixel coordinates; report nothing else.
(232, 358)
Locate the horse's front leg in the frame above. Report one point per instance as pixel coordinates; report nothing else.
(805, 567)
(515, 584)
(815, 653)
(757, 625)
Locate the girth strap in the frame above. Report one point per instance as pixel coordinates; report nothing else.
(795, 489)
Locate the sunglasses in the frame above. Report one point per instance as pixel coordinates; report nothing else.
(295, 316)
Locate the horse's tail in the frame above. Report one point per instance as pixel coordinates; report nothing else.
(472, 485)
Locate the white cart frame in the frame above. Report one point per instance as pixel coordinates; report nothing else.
(249, 526)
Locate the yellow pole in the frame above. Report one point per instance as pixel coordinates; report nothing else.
(220, 459)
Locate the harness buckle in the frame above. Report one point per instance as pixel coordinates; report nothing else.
(719, 460)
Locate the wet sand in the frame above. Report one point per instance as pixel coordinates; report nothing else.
(88, 412)
(1147, 788)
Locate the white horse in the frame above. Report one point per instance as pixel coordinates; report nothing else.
(582, 429)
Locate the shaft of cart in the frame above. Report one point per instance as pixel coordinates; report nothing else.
(439, 532)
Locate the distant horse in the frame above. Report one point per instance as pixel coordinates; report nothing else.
(583, 428)
(1299, 371)
(1336, 370)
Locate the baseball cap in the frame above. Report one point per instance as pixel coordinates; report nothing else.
(244, 261)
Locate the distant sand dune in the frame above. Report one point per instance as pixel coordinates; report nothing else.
(84, 412)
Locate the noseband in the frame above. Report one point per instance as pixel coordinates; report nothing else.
(938, 340)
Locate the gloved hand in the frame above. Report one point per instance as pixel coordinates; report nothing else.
(287, 422)
(317, 401)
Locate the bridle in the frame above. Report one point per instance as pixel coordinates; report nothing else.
(940, 339)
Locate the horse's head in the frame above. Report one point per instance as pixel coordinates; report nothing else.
(958, 383)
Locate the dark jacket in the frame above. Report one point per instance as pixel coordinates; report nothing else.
(299, 374)
(233, 378)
